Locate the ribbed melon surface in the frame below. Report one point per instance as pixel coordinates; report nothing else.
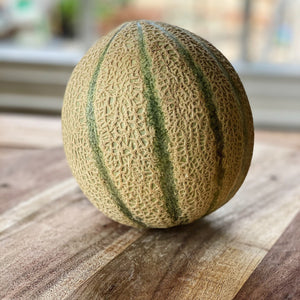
(157, 127)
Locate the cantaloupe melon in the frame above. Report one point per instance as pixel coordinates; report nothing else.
(157, 127)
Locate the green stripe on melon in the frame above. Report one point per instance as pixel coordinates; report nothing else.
(156, 119)
(94, 141)
(239, 95)
(156, 125)
(211, 108)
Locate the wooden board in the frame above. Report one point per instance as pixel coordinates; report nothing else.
(278, 275)
(55, 245)
(29, 131)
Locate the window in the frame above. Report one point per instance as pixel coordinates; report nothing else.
(41, 41)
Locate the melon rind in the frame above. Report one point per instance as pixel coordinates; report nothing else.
(157, 127)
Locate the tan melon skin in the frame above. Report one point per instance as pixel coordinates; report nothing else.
(127, 140)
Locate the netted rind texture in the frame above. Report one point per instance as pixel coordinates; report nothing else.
(157, 127)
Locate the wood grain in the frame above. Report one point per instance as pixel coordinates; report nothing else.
(55, 245)
(278, 275)
(59, 240)
(23, 176)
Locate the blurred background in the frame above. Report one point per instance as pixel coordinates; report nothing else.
(42, 40)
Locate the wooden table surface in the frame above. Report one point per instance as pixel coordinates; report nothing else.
(54, 244)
